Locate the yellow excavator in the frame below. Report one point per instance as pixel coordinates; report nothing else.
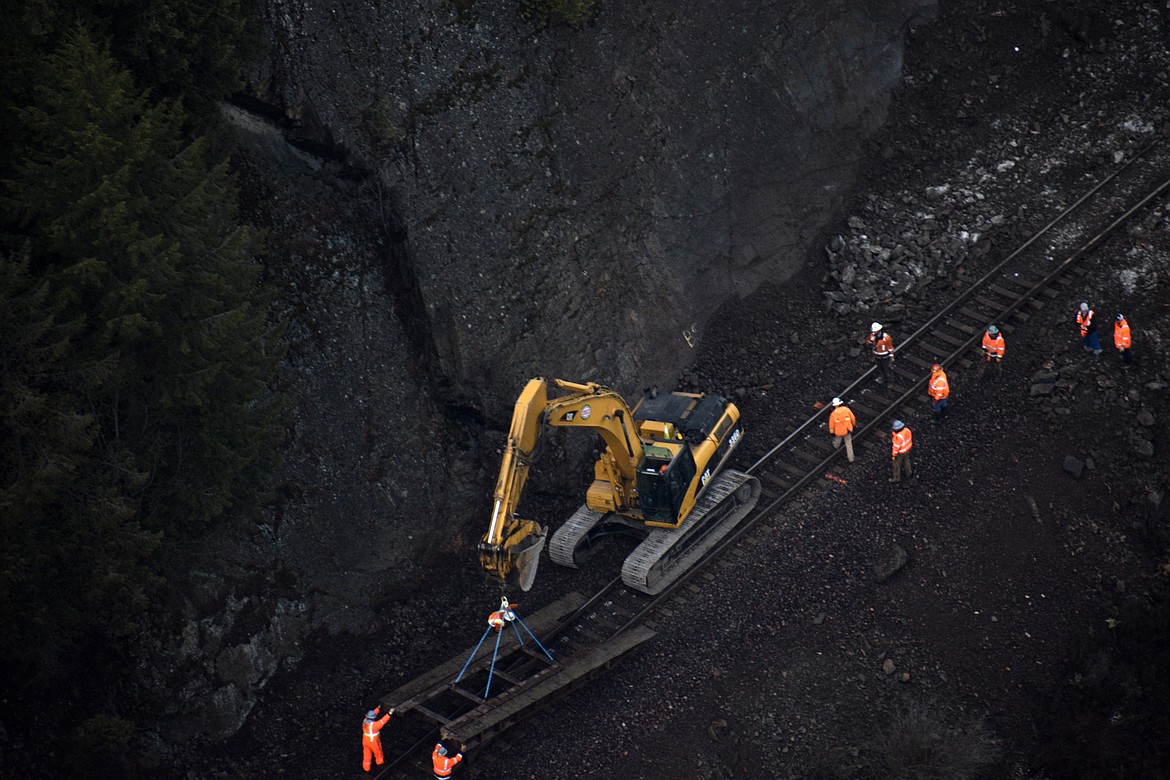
(661, 478)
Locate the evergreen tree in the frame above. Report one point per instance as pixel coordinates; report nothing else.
(135, 276)
(72, 555)
(173, 48)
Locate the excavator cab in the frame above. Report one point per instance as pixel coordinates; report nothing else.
(664, 477)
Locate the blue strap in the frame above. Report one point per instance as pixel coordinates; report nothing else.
(534, 639)
(492, 668)
(473, 652)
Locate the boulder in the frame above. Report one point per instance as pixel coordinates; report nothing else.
(1074, 466)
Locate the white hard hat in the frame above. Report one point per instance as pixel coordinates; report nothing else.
(875, 327)
(899, 425)
(1084, 307)
(836, 402)
(992, 330)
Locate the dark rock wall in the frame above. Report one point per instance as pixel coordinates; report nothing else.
(575, 200)
(495, 202)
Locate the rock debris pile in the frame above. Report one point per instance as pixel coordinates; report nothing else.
(900, 246)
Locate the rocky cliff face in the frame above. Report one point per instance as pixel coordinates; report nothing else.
(573, 202)
(498, 202)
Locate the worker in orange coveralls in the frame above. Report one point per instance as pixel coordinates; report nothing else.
(1088, 326)
(1123, 339)
(883, 351)
(372, 737)
(993, 345)
(443, 762)
(939, 389)
(841, 423)
(901, 443)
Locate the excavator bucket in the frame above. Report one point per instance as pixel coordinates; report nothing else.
(525, 555)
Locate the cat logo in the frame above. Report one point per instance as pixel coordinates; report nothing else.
(706, 476)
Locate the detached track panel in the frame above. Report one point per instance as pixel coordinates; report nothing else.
(586, 635)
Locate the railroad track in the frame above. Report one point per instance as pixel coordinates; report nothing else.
(502, 686)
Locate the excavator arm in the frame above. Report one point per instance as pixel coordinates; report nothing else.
(510, 550)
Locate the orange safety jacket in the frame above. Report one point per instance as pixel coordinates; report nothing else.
(1085, 321)
(993, 347)
(841, 421)
(1122, 339)
(902, 442)
(371, 729)
(883, 347)
(444, 765)
(939, 386)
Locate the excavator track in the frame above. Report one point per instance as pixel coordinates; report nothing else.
(566, 540)
(666, 552)
(669, 552)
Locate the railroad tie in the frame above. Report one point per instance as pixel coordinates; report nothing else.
(431, 715)
(867, 411)
(915, 360)
(990, 303)
(1009, 294)
(979, 317)
(779, 482)
(477, 700)
(954, 342)
(962, 326)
